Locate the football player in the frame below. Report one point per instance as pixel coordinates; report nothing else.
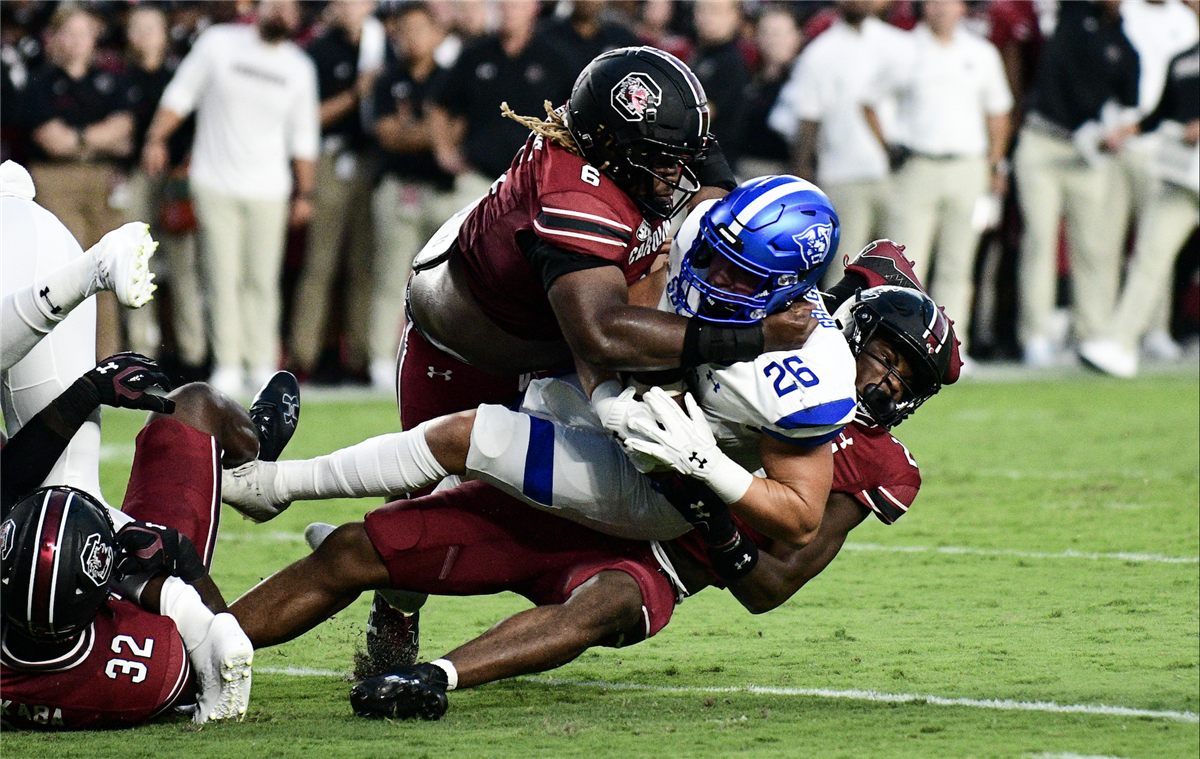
(592, 589)
(45, 276)
(536, 275)
(110, 617)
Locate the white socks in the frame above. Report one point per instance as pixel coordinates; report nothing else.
(399, 462)
(29, 314)
(182, 604)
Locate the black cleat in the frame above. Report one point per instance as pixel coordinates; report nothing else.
(393, 640)
(406, 693)
(275, 412)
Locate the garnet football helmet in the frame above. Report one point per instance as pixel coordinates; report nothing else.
(913, 324)
(640, 116)
(759, 249)
(57, 553)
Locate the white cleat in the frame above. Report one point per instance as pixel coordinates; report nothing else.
(250, 488)
(222, 663)
(123, 263)
(1109, 357)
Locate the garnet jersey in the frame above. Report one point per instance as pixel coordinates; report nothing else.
(129, 667)
(551, 195)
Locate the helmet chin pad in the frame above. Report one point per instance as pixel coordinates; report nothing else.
(879, 401)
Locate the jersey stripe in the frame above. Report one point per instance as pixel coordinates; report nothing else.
(582, 225)
(562, 233)
(885, 508)
(823, 415)
(582, 215)
(539, 462)
(805, 442)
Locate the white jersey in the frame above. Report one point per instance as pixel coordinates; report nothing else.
(802, 396)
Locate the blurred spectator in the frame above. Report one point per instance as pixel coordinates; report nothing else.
(148, 71)
(415, 196)
(81, 127)
(341, 226)
(953, 126)
(719, 66)
(21, 54)
(762, 150)
(1158, 31)
(255, 96)
(1085, 64)
(471, 139)
(820, 111)
(585, 34)
(1170, 218)
(1013, 29)
(654, 28)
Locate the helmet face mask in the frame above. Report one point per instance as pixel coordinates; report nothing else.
(640, 116)
(915, 328)
(58, 554)
(760, 249)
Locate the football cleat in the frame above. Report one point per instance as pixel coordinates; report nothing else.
(250, 488)
(406, 693)
(883, 263)
(222, 663)
(275, 412)
(123, 264)
(393, 640)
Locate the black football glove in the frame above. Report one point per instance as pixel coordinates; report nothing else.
(731, 554)
(712, 169)
(148, 549)
(123, 379)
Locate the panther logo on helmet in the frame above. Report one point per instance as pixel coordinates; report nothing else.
(97, 558)
(814, 243)
(6, 538)
(634, 94)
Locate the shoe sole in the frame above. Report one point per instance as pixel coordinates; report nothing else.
(423, 701)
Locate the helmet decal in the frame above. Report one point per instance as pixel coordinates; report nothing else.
(634, 95)
(937, 332)
(97, 559)
(6, 538)
(814, 243)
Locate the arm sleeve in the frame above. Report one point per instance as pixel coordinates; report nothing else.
(183, 91)
(304, 138)
(31, 453)
(551, 261)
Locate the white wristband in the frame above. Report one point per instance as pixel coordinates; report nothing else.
(729, 479)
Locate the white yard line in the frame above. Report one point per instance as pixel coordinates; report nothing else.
(1069, 554)
(1072, 756)
(852, 695)
(296, 537)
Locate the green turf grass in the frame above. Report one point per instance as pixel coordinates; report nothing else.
(1042, 469)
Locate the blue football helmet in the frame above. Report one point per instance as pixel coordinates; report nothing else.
(759, 249)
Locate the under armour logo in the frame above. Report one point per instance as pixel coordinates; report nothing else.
(716, 385)
(106, 368)
(742, 562)
(699, 462)
(45, 295)
(435, 373)
(291, 409)
(698, 511)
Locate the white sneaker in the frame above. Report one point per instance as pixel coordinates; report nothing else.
(123, 263)
(1110, 357)
(1040, 352)
(1161, 346)
(316, 533)
(228, 380)
(222, 663)
(250, 488)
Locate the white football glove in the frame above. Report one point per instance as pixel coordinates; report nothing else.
(616, 407)
(685, 443)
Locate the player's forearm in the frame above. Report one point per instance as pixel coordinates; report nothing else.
(781, 512)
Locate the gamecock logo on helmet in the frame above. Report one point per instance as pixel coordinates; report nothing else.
(814, 243)
(634, 94)
(6, 538)
(97, 559)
